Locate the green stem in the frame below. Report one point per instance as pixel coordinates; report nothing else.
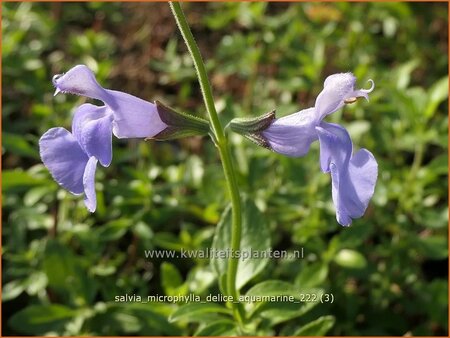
(225, 156)
(199, 67)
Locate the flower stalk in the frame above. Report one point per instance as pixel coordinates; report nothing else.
(221, 142)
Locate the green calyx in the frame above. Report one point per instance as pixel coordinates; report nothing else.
(252, 128)
(179, 124)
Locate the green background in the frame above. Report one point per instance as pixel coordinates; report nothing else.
(62, 267)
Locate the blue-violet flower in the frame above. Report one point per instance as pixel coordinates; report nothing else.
(71, 157)
(353, 175)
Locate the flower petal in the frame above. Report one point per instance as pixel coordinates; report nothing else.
(133, 117)
(353, 178)
(92, 126)
(363, 173)
(90, 198)
(64, 158)
(336, 89)
(79, 80)
(335, 145)
(292, 135)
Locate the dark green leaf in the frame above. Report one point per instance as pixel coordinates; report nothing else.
(63, 268)
(279, 311)
(42, 319)
(113, 230)
(18, 145)
(434, 247)
(274, 288)
(312, 275)
(18, 178)
(318, 327)
(255, 242)
(171, 280)
(197, 312)
(218, 328)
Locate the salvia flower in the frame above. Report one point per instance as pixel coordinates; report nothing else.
(353, 175)
(71, 157)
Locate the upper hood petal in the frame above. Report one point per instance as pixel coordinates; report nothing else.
(79, 80)
(338, 88)
(133, 117)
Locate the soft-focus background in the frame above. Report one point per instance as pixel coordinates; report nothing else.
(62, 267)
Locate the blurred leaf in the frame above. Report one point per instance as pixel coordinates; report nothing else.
(128, 323)
(280, 311)
(438, 299)
(312, 275)
(434, 247)
(274, 288)
(171, 280)
(42, 319)
(434, 220)
(437, 93)
(18, 178)
(217, 328)
(255, 243)
(358, 128)
(403, 73)
(168, 241)
(18, 145)
(200, 278)
(113, 230)
(154, 318)
(62, 268)
(11, 290)
(318, 327)
(34, 195)
(197, 312)
(103, 270)
(355, 235)
(350, 259)
(36, 282)
(143, 231)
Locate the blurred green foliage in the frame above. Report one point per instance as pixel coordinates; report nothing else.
(63, 267)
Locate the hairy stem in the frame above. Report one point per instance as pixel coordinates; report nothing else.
(225, 156)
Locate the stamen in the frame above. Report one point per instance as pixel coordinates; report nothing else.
(350, 100)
